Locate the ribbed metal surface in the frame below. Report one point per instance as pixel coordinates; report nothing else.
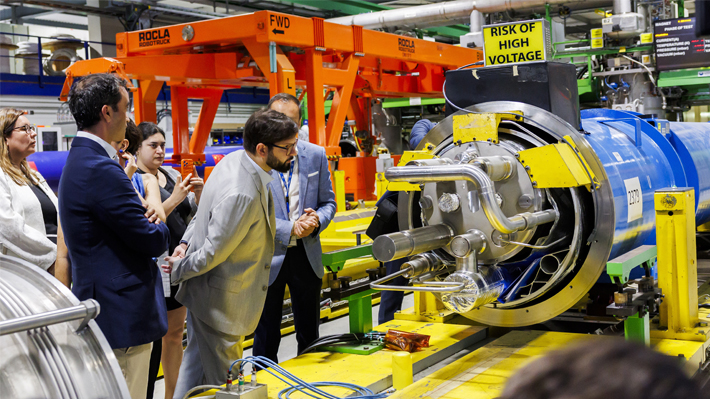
(53, 361)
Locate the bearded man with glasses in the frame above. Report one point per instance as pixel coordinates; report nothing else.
(305, 205)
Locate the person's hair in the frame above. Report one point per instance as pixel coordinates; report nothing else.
(602, 369)
(88, 96)
(148, 129)
(8, 118)
(134, 137)
(284, 97)
(267, 127)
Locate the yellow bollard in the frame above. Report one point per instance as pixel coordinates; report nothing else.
(402, 374)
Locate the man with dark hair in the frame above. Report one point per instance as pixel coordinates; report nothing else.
(602, 369)
(223, 262)
(305, 205)
(111, 242)
(289, 105)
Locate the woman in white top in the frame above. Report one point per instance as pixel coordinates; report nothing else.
(28, 207)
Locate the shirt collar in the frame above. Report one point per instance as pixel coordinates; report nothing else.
(106, 146)
(266, 178)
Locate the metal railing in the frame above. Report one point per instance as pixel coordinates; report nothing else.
(40, 56)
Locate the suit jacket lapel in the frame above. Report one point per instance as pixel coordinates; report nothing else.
(277, 192)
(271, 216)
(259, 186)
(303, 169)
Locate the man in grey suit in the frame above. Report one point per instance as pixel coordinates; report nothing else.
(223, 270)
(305, 205)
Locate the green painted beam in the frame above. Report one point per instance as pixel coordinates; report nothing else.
(621, 266)
(685, 77)
(353, 7)
(335, 261)
(406, 102)
(601, 51)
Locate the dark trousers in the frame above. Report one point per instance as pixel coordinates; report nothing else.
(304, 286)
(154, 367)
(391, 301)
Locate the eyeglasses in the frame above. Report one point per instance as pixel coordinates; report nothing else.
(26, 128)
(156, 145)
(287, 148)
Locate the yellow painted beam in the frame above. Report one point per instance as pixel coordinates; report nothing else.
(375, 371)
(483, 373)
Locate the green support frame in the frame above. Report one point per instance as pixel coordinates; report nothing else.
(335, 261)
(636, 328)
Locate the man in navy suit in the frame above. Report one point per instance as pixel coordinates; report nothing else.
(111, 238)
(305, 205)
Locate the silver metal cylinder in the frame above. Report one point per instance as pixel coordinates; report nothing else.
(497, 167)
(476, 22)
(480, 288)
(422, 263)
(399, 245)
(485, 188)
(622, 6)
(550, 263)
(465, 244)
(87, 310)
(430, 162)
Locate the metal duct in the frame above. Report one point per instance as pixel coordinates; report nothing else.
(476, 21)
(622, 7)
(440, 14)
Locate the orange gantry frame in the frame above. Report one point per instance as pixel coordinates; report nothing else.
(200, 60)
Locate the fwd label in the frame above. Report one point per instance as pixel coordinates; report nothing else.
(279, 24)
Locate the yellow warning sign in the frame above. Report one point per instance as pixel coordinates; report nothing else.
(516, 43)
(597, 38)
(646, 38)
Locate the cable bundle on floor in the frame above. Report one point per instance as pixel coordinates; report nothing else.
(350, 338)
(297, 384)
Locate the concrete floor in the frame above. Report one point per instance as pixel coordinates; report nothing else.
(288, 347)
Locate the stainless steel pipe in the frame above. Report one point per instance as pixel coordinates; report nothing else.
(485, 188)
(422, 263)
(497, 167)
(399, 245)
(431, 286)
(87, 310)
(465, 244)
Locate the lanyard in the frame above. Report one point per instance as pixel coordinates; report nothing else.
(288, 186)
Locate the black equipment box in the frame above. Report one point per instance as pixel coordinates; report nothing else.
(551, 86)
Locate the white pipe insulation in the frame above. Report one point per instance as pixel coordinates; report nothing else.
(440, 14)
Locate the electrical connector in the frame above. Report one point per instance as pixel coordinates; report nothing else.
(228, 387)
(258, 391)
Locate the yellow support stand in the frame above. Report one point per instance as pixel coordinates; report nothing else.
(428, 308)
(339, 177)
(677, 266)
(380, 184)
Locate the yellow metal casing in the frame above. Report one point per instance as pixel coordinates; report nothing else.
(677, 266)
(557, 165)
(480, 126)
(407, 157)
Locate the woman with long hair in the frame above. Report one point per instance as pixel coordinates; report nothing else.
(179, 205)
(28, 207)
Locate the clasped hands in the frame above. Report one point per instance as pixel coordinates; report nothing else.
(306, 224)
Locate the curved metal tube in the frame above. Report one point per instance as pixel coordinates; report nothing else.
(432, 286)
(486, 193)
